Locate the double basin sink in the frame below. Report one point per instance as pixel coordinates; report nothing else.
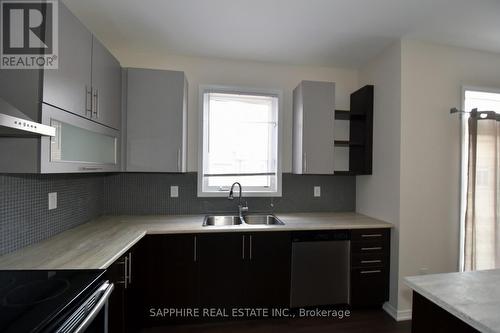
(250, 219)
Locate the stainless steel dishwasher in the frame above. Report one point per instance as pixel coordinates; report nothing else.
(320, 268)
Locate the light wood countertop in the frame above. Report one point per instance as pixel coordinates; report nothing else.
(98, 243)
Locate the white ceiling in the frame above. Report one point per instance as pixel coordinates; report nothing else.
(314, 32)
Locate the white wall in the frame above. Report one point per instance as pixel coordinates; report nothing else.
(415, 181)
(416, 157)
(432, 77)
(378, 195)
(247, 74)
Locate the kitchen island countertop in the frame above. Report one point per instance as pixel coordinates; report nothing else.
(473, 297)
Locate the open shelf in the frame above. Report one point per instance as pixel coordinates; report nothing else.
(347, 143)
(343, 173)
(359, 144)
(347, 115)
(342, 114)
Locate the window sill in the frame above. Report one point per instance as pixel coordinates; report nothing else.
(247, 194)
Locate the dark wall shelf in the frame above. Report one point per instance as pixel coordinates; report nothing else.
(360, 141)
(347, 143)
(361, 131)
(342, 114)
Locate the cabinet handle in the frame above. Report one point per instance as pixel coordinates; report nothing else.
(304, 162)
(125, 273)
(88, 101)
(179, 166)
(370, 261)
(195, 256)
(250, 247)
(371, 248)
(371, 272)
(243, 247)
(371, 235)
(95, 103)
(90, 168)
(130, 268)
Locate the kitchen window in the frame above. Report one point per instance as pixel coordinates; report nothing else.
(240, 141)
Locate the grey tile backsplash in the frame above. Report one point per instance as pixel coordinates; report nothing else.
(149, 193)
(25, 218)
(24, 215)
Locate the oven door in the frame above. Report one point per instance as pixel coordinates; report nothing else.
(92, 315)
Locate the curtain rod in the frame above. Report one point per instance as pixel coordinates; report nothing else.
(480, 114)
(455, 110)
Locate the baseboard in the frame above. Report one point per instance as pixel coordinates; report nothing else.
(398, 315)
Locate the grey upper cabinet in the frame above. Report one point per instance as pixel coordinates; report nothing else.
(106, 86)
(156, 112)
(88, 80)
(81, 99)
(69, 86)
(313, 127)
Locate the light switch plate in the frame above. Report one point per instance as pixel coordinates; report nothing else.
(174, 191)
(317, 191)
(52, 200)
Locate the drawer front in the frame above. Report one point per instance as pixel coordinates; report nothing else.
(369, 286)
(369, 235)
(368, 260)
(369, 247)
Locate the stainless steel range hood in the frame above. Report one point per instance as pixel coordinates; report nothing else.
(15, 123)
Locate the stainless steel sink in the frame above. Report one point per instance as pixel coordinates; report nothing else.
(251, 219)
(263, 219)
(221, 220)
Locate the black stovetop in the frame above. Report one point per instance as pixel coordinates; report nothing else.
(32, 300)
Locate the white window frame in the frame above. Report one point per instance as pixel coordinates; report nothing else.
(202, 89)
(464, 161)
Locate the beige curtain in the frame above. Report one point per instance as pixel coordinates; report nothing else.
(482, 228)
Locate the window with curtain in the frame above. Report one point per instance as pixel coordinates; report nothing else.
(481, 181)
(240, 142)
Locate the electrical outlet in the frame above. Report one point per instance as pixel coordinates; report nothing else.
(52, 200)
(423, 271)
(317, 191)
(174, 191)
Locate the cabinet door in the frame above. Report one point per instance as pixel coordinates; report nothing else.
(117, 275)
(222, 270)
(156, 111)
(68, 86)
(268, 278)
(170, 275)
(106, 86)
(318, 123)
(134, 298)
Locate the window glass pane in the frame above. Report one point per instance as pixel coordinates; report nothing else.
(483, 101)
(241, 139)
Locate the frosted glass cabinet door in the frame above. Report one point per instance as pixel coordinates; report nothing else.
(80, 145)
(76, 144)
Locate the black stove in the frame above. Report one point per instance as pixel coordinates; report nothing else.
(40, 301)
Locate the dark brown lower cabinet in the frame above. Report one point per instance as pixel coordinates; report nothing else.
(370, 253)
(125, 300)
(268, 269)
(226, 270)
(170, 276)
(214, 270)
(244, 269)
(427, 317)
(222, 259)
